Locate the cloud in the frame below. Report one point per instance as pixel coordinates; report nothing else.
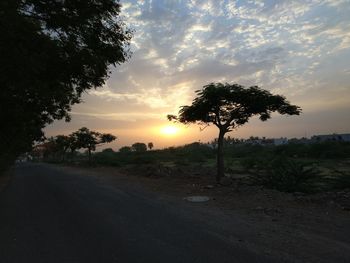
(280, 45)
(296, 48)
(153, 98)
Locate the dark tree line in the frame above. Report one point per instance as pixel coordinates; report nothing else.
(61, 145)
(137, 147)
(50, 53)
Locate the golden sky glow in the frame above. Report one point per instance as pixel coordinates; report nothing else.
(299, 49)
(169, 130)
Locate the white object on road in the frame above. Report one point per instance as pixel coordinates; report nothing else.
(197, 198)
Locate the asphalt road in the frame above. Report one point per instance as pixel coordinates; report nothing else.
(47, 215)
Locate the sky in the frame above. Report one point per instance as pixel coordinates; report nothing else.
(299, 49)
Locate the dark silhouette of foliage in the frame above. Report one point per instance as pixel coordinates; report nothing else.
(63, 144)
(87, 139)
(340, 180)
(48, 149)
(125, 149)
(229, 107)
(150, 145)
(57, 147)
(50, 53)
(108, 150)
(139, 147)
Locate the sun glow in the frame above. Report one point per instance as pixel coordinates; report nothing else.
(169, 130)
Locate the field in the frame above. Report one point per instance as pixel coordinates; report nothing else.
(327, 165)
(306, 168)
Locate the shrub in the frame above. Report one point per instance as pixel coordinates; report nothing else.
(288, 176)
(340, 181)
(125, 149)
(254, 162)
(106, 158)
(108, 150)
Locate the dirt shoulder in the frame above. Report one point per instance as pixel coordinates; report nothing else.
(291, 227)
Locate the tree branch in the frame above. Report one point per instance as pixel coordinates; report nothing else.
(204, 127)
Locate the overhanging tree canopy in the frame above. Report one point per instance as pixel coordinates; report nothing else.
(229, 106)
(50, 53)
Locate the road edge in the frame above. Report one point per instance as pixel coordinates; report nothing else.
(6, 177)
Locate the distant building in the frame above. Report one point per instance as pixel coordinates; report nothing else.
(266, 141)
(254, 141)
(302, 140)
(280, 141)
(331, 137)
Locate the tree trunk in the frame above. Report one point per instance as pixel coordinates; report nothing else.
(89, 152)
(71, 155)
(220, 157)
(64, 155)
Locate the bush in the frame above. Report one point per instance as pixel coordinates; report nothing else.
(322, 150)
(288, 176)
(108, 150)
(106, 158)
(255, 162)
(125, 149)
(340, 181)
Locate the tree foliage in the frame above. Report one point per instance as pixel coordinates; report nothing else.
(229, 106)
(108, 150)
(150, 145)
(86, 139)
(60, 145)
(51, 52)
(125, 149)
(139, 147)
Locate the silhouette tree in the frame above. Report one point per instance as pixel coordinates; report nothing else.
(108, 150)
(230, 106)
(139, 147)
(150, 145)
(90, 139)
(125, 149)
(50, 53)
(48, 148)
(63, 143)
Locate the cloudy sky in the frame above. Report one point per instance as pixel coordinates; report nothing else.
(300, 49)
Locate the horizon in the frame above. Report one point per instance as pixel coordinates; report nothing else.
(296, 49)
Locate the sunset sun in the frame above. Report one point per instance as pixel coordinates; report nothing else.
(169, 130)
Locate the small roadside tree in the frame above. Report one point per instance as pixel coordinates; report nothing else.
(229, 106)
(139, 147)
(150, 145)
(90, 139)
(63, 144)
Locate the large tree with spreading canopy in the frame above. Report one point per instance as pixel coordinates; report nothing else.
(229, 106)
